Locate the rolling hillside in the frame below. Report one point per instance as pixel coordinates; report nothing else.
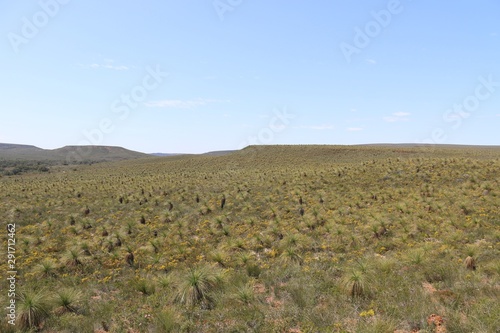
(84, 153)
(267, 239)
(19, 159)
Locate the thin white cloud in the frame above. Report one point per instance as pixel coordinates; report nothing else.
(182, 104)
(397, 116)
(401, 114)
(371, 61)
(493, 34)
(354, 129)
(116, 68)
(107, 65)
(322, 127)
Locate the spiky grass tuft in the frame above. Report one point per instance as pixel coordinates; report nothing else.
(67, 300)
(197, 286)
(33, 308)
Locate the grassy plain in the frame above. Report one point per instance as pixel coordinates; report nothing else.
(267, 239)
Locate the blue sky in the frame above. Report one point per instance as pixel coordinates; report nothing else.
(210, 75)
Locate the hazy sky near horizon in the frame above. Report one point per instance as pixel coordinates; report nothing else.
(195, 76)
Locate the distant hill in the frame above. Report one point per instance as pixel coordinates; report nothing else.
(211, 153)
(67, 154)
(165, 154)
(7, 146)
(10, 151)
(220, 152)
(17, 159)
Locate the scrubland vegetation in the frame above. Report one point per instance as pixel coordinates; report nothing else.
(12, 168)
(268, 239)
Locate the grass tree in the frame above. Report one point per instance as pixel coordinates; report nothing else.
(470, 263)
(73, 258)
(145, 285)
(197, 286)
(67, 300)
(291, 255)
(356, 284)
(223, 202)
(245, 294)
(219, 257)
(129, 257)
(47, 268)
(33, 307)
